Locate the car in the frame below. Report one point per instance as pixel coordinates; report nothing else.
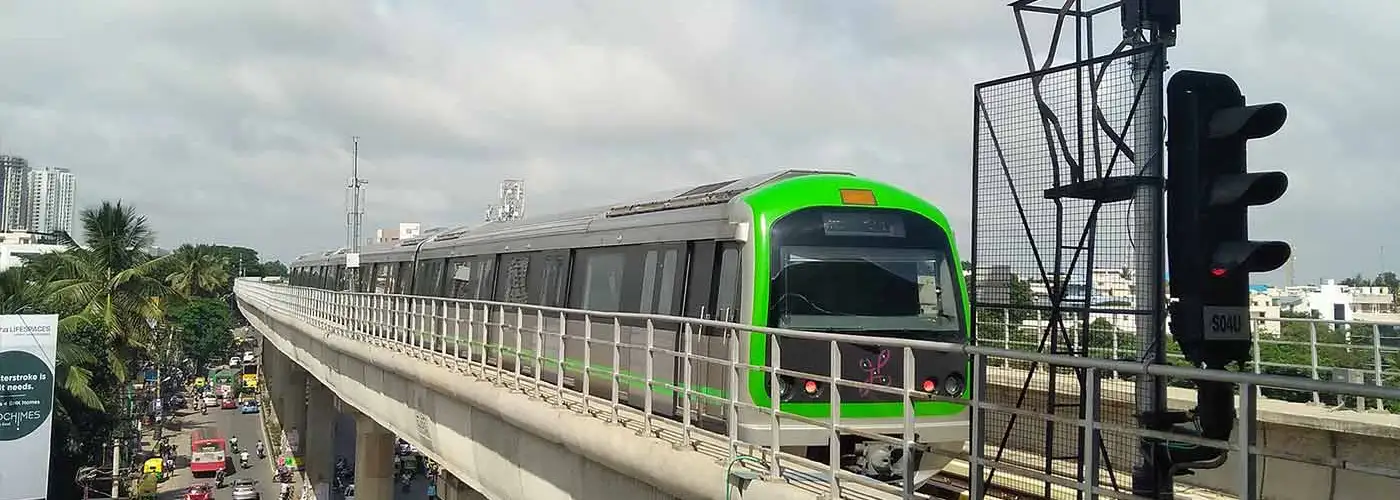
(202, 491)
(248, 357)
(210, 401)
(245, 489)
(228, 404)
(248, 407)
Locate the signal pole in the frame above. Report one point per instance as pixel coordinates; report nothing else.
(1149, 22)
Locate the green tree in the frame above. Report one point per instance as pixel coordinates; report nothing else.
(274, 268)
(22, 292)
(206, 329)
(197, 271)
(109, 285)
(242, 261)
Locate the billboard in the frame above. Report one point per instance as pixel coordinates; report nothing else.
(27, 347)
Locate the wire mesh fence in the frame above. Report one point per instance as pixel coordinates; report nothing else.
(1063, 255)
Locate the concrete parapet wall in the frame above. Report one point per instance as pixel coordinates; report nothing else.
(502, 444)
(1331, 454)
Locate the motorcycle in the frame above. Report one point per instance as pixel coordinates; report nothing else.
(244, 463)
(262, 453)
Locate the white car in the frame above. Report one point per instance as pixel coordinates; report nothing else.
(248, 357)
(245, 489)
(233, 361)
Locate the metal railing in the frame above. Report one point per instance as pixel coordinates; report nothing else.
(486, 336)
(1324, 350)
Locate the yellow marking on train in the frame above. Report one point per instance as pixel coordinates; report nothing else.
(858, 197)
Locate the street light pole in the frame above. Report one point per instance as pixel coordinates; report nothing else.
(158, 359)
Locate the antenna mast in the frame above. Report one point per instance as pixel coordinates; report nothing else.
(354, 215)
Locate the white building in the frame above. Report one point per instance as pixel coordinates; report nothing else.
(405, 231)
(15, 246)
(52, 202)
(1112, 289)
(1340, 302)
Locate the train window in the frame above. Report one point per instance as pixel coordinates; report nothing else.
(862, 269)
(428, 280)
(485, 277)
(384, 277)
(366, 273)
(659, 283)
(600, 286)
(512, 288)
(648, 282)
(553, 279)
(405, 275)
(727, 290)
(667, 287)
(461, 283)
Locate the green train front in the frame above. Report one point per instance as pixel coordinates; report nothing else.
(842, 254)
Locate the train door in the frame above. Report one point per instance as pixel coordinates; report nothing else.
(712, 292)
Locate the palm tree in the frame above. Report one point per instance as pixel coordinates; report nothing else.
(109, 284)
(197, 271)
(22, 291)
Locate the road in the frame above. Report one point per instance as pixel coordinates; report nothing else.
(345, 447)
(248, 428)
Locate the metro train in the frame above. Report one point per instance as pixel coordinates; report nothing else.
(804, 250)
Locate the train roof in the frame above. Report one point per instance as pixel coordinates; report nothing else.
(682, 198)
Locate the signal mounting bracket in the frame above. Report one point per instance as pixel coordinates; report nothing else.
(1104, 189)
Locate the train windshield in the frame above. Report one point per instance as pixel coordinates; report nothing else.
(863, 270)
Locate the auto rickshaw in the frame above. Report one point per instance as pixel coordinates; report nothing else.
(156, 466)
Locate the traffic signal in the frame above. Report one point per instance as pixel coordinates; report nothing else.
(1209, 193)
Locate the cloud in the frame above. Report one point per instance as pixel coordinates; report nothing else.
(231, 122)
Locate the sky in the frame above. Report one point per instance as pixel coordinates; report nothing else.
(231, 122)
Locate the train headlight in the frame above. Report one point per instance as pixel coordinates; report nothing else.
(785, 389)
(953, 385)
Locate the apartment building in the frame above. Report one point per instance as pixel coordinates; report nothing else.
(52, 203)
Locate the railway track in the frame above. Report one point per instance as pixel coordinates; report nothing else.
(954, 486)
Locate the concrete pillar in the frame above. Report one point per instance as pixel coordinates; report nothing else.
(320, 436)
(292, 407)
(374, 460)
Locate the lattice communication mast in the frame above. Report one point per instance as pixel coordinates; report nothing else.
(512, 203)
(354, 216)
(1068, 240)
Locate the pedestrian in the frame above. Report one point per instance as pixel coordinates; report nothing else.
(432, 490)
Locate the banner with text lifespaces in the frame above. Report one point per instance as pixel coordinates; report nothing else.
(27, 347)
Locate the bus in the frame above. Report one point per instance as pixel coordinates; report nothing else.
(208, 452)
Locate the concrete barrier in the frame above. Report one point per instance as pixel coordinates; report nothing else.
(502, 444)
(1322, 454)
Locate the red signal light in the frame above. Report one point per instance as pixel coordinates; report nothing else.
(929, 385)
(1218, 272)
(810, 387)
